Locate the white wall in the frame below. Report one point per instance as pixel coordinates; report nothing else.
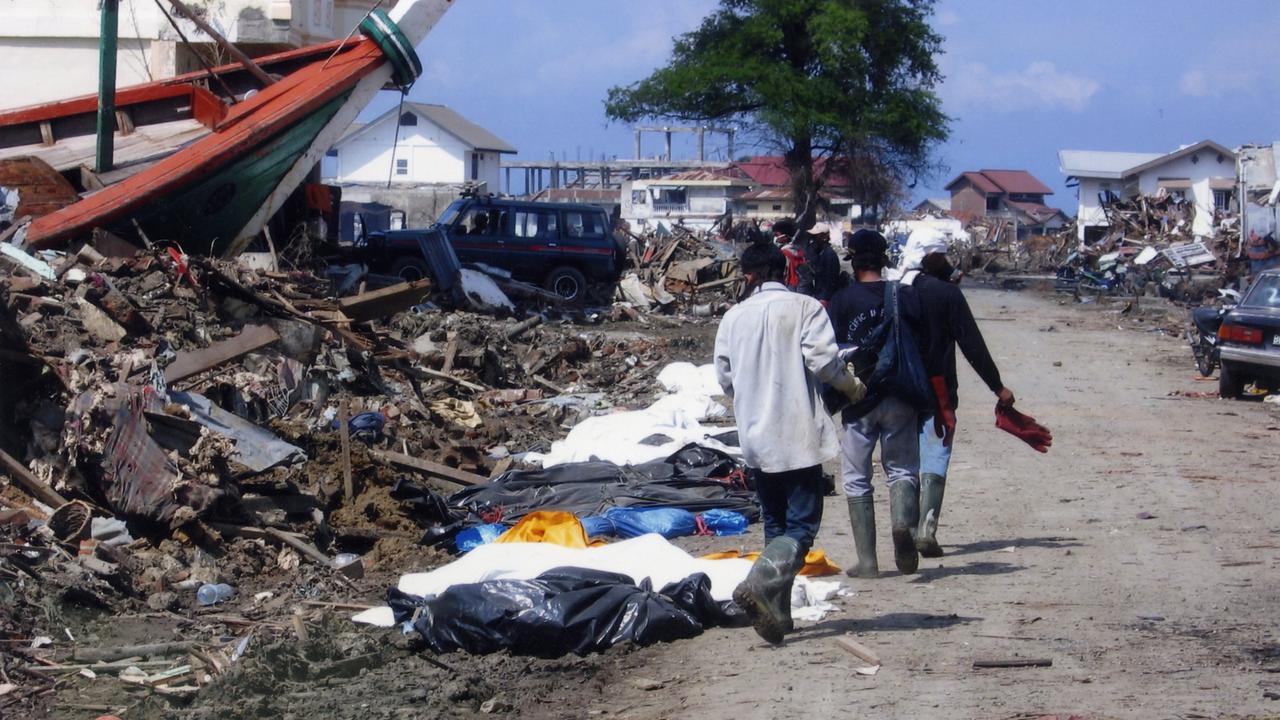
(707, 200)
(1207, 167)
(49, 48)
(1089, 211)
(490, 170)
(434, 155)
(703, 204)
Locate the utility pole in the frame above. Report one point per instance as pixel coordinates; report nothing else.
(107, 84)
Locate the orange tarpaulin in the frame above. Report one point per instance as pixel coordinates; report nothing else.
(552, 526)
(816, 563)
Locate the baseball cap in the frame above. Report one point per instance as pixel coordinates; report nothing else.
(867, 248)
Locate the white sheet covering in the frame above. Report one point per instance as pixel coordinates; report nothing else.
(647, 556)
(616, 438)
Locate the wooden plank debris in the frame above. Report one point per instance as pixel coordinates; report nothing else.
(253, 337)
(859, 650)
(344, 432)
(1012, 662)
(127, 651)
(523, 326)
(29, 482)
(433, 469)
(450, 378)
(384, 301)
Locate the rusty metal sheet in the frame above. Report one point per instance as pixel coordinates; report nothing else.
(140, 478)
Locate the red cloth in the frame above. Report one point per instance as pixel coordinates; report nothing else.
(944, 421)
(795, 258)
(1024, 427)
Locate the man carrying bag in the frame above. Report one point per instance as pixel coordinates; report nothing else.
(877, 325)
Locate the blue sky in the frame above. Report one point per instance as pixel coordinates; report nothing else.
(1023, 79)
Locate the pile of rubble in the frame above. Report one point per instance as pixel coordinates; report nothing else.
(680, 270)
(1151, 244)
(171, 410)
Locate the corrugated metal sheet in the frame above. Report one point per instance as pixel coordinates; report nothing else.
(441, 258)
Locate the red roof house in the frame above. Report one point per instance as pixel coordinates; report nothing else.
(1012, 194)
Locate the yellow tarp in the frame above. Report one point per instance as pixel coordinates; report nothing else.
(551, 526)
(816, 563)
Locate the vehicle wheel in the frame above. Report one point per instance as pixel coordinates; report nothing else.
(410, 269)
(568, 283)
(1204, 359)
(1230, 382)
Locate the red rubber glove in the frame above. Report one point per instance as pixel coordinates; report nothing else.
(1024, 427)
(944, 421)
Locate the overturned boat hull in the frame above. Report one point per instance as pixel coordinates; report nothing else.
(215, 194)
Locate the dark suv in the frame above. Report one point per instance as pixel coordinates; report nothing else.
(559, 246)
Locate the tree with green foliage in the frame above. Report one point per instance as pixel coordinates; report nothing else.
(848, 80)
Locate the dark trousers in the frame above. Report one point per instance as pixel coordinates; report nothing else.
(791, 504)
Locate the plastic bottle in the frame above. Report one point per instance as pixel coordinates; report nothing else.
(210, 594)
(343, 559)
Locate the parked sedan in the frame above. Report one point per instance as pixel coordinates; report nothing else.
(1250, 338)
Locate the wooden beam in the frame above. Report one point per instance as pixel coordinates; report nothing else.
(344, 432)
(34, 486)
(1012, 662)
(436, 374)
(385, 301)
(859, 650)
(433, 469)
(254, 337)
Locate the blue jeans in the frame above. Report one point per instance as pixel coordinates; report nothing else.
(791, 504)
(893, 424)
(935, 457)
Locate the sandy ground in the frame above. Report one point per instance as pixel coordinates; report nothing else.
(1138, 556)
(1048, 556)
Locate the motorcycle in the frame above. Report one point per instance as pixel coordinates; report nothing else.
(1076, 275)
(1203, 333)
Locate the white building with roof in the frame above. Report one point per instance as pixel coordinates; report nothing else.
(694, 198)
(419, 144)
(1203, 173)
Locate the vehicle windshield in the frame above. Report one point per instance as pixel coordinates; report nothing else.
(451, 212)
(1264, 293)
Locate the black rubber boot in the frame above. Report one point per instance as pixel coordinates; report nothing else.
(782, 604)
(770, 576)
(862, 520)
(904, 515)
(931, 489)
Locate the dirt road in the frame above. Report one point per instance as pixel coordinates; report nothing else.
(1139, 555)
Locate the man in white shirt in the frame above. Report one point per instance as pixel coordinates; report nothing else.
(773, 352)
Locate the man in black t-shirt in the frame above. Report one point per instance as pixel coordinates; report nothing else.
(856, 311)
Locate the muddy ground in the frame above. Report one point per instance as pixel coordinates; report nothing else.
(1139, 556)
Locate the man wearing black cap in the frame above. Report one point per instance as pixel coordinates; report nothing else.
(773, 352)
(820, 275)
(856, 311)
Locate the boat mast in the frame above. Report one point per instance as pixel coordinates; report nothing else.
(107, 85)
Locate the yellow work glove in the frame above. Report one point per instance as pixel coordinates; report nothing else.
(849, 384)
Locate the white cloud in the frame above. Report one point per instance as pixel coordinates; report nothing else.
(1216, 82)
(1195, 83)
(1040, 86)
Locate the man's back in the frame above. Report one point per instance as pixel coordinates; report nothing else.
(949, 322)
(772, 350)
